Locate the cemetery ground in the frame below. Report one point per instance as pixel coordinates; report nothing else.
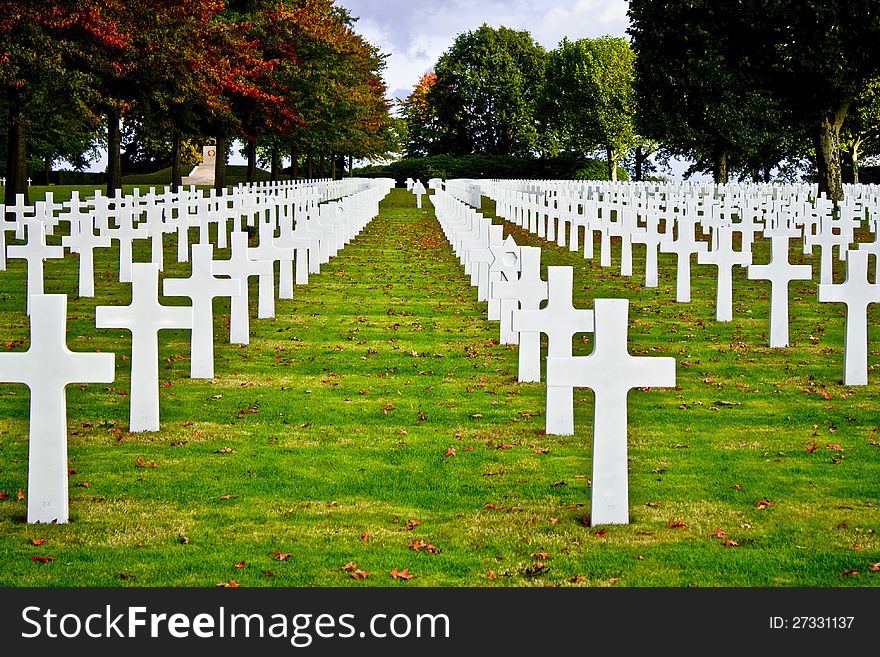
(375, 426)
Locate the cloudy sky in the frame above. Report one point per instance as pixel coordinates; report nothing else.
(414, 33)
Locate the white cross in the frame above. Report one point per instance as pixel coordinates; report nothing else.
(504, 267)
(126, 231)
(529, 290)
(22, 212)
(5, 225)
(47, 367)
(652, 238)
(724, 257)
(240, 267)
(873, 248)
(559, 320)
(34, 252)
(75, 212)
(780, 272)
(84, 241)
(268, 251)
(684, 245)
(610, 372)
(202, 287)
(144, 317)
(857, 293)
(831, 233)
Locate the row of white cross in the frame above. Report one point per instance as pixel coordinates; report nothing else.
(675, 220)
(49, 366)
(508, 276)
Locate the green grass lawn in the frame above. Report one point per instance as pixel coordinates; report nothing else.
(329, 439)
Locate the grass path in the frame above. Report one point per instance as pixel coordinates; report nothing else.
(330, 438)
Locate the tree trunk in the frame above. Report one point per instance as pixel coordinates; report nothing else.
(176, 175)
(294, 162)
(854, 158)
(719, 166)
(220, 165)
(350, 165)
(310, 166)
(252, 160)
(114, 158)
(640, 164)
(47, 169)
(826, 136)
(322, 165)
(16, 153)
(275, 170)
(333, 166)
(612, 164)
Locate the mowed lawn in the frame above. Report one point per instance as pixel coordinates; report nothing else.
(375, 424)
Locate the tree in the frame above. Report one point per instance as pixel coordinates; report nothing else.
(588, 96)
(485, 92)
(421, 118)
(690, 97)
(861, 130)
(815, 57)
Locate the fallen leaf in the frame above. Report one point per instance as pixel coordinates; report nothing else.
(20, 494)
(578, 579)
(653, 505)
(231, 584)
(812, 447)
(401, 574)
(240, 564)
(365, 537)
(360, 574)
(676, 523)
(38, 541)
(490, 574)
(874, 566)
(411, 523)
(612, 580)
(846, 572)
(350, 566)
(449, 452)
(730, 543)
(719, 534)
(536, 568)
(763, 504)
(36, 557)
(477, 416)
(227, 497)
(541, 555)
(4, 495)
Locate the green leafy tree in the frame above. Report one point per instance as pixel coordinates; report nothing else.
(860, 134)
(690, 96)
(588, 96)
(485, 93)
